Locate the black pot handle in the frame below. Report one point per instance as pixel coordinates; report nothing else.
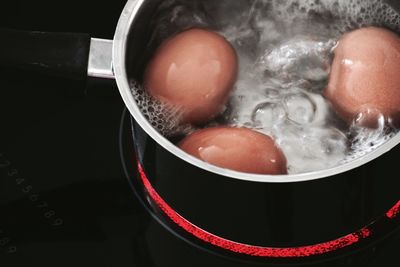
(57, 54)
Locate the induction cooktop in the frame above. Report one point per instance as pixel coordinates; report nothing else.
(65, 195)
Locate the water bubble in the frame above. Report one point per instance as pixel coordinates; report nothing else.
(268, 114)
(394, 120)
(370, 118)
(166, 119)
(300, 108)
(301, 57)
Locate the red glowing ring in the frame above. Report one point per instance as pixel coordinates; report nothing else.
(258, 251)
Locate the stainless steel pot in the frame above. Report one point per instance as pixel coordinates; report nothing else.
(259, 217)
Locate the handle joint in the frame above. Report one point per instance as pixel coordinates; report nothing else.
(100, 59)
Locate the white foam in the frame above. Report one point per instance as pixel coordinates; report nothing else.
(164, 118)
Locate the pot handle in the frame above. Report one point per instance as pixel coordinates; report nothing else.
(67, 55)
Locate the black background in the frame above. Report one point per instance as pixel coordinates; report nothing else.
(64, 199)
(61, 138)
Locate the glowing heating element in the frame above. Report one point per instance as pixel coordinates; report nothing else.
(258, 251)
(393, 212)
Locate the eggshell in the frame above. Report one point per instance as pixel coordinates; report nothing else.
(238, 149)
(365, 77)
(193, 71)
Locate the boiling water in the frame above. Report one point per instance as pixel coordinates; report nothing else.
(285, 51)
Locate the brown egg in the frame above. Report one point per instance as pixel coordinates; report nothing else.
(365, 76)
(238, 149)
(193, 71)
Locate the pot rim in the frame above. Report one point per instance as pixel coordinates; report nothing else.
(122, 32)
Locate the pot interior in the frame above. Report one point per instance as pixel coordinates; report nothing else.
(158, 20)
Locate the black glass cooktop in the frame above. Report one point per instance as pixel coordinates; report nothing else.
(65, 199)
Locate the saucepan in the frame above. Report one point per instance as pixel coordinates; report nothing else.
(265, 218)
